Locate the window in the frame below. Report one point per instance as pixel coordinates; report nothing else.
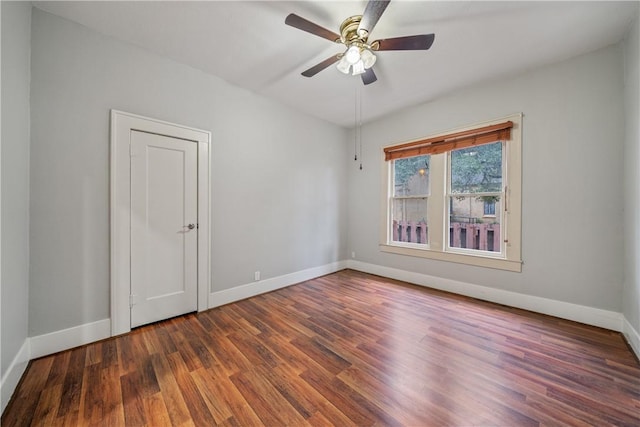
(409, 200)
(490, 208)
(456, 196)
(475, 182)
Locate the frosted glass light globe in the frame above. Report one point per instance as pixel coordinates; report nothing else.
(343, 65)
(358, 68)
(353, 55)
(368, 58)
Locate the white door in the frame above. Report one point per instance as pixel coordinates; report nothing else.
(164, 233)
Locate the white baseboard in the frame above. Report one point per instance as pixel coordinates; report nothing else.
(12, 377)
(633, 337)
(216, 299)
(65, 339)
(579, 313)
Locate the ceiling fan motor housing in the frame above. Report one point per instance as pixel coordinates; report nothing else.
(349, 34)
(349, 31)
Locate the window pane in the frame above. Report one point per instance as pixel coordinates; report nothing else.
(411, 176)
(467, 227)
(477, 169)
(489, 207)
(409, 220)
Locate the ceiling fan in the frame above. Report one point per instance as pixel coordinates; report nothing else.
(354, 33)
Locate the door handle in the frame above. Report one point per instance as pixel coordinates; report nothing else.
(191, 226)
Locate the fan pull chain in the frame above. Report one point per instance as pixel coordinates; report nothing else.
(360, 125)
(355, 129)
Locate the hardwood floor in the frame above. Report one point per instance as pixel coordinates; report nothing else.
(344, 349)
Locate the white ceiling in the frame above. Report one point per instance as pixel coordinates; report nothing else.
(247, 44)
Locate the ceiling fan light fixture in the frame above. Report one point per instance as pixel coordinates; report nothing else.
(360, 54)
(368, 58)
(343, 65)
(353, 54)
(358, 68)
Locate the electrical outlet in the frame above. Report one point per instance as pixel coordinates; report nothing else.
(256, 276)
(353, 255)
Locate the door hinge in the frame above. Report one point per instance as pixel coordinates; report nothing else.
(132, 300)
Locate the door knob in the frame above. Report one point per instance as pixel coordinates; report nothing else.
(191, 226)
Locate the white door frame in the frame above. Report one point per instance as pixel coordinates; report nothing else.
(121, 126)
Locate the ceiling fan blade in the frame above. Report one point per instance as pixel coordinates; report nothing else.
(371, 15)
(368, 76)
(419, 42)
(321, 66)
(308, 26)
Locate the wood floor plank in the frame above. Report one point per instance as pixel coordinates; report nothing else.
(355, 406)
(263, 397)
(46, 410)
(133, 399)
(112, 402)
(322, 355)
(195, 403)
(152, 341)
(58, 369)
(109, 353)
(94, 353)
(155, 410)
(252, 349)
(228, 395)
(73, 382)
(346, 349)
(213, 395)
(290, 388)
(130, 348)
(412, 409)
(93, 395)
(36, 376)
(171, 393)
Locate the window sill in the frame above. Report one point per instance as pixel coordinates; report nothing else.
(476, 260)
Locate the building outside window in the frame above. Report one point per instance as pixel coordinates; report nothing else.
(456, 196)
(489, 207)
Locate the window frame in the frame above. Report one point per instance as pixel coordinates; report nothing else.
(437, 247)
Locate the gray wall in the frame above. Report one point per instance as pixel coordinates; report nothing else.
(631, 294)
(14, 278)
(278, 193)
(572, 174)
(278, 190)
